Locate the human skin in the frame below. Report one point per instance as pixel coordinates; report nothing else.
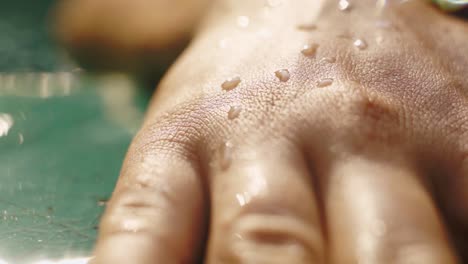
(372, 168)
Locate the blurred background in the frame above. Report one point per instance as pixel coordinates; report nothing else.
(63, 135)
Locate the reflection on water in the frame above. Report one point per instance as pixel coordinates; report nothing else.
(117, 92)
(62, 261)
(6, 122)
(41, 85)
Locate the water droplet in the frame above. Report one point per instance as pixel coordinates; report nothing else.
(379, 39)
(344, 5)
(329, 59)
(102, 202)
(324, 82)
(6, 122)
(234, 112)
(131, 225)
(307, 27)
(360, 44)
(243, 198)
(283, 75)
(384, 24)
(20, 138)
(309, 50)
(243, 21)
(378, 228)
(231, 83)
(239, 236)
(39, 240)
(223, 43)
(226, 155)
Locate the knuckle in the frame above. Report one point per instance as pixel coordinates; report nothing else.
(266, 238)
(134, 210)
(175, 133)
(373, 118)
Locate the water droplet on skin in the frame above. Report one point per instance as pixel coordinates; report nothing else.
(243, 198)
(329, 59)
(102, 202)
(131, 225)
(384, 24)
(283, 75)
(309, 50)
(379, 39)
(226, 155)
(243, 21)
(360, 44)
(344, 5)
(307, 27)
(324, 82)
(234, 112)
(6, 122)
(231, 83)
(378, 228)
(223, 43)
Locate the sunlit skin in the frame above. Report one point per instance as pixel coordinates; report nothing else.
(359, 156)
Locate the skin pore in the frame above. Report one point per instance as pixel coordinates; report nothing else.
(349, 141)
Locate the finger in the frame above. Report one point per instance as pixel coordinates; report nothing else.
(264, 210)
(156, 212)
(380, 213)
(121, 34)
(452, 187)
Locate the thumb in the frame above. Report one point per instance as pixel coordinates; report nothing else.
(125, 35)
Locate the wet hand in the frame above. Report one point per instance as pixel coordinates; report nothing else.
(302, 133)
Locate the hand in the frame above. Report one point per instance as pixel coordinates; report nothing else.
(357, 153)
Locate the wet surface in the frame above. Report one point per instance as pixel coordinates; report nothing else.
(59, 160)
(63, 136)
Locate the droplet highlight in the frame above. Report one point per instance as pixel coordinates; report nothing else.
(344, 5)
(309, 50)
(243, 198)
(234, 112)
(383, 24)
(360, 44)
(283, 75)
(231, 83)
(324, 82)
(243, 21)
(102, 202)
(329, 59)
(226, 154)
